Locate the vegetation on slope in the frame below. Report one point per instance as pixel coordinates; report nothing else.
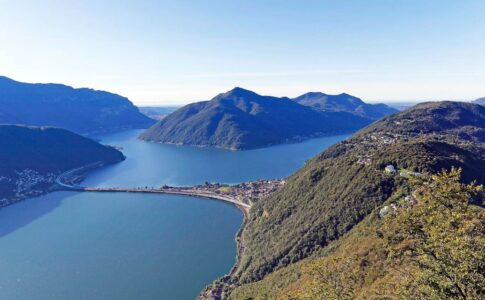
(241, 119)
(84, 111)
(430, 247)
(341, 186)
(30, 157)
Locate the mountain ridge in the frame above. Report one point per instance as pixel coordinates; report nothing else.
(344, 102)
(243, 119)
(82, 110)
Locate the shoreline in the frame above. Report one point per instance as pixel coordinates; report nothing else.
(295, 140)
(214, 290)
(52, 184)
(239, 242)
(241, 195)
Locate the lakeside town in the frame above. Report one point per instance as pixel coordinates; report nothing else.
(246, 192)
(242, 194)
(24, 184)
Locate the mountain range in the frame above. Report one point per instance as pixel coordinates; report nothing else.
(330, 207)
(344, 102)
(323, 235)
(242, 119)
(84, 111)
(32, 157)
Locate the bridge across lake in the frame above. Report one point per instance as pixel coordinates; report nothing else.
(172, 191)
(186, 191)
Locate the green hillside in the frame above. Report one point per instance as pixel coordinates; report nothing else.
(339, 188)
(428, 248)
(31, 157)
(241, 119)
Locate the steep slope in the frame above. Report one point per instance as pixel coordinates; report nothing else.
(346, 103)
(341, 186)
(32, 157)
(84, 111)
(429, 245)
(241, 119)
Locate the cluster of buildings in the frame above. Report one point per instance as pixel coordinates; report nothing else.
(380, 139)
(24, 184)
(255, 190)
(371, 142)
(245, 192)
(30, 183)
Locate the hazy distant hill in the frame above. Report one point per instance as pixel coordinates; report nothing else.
(242, 119)
(31, 158)
(480, 101)
(84, 111)
(345, 183)
(157, 112)
(400, 106)
(344, 102)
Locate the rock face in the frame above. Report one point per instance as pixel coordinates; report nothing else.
(344, 103)
(32, 157)
(242, 119)
(84, 111)
(341, 186)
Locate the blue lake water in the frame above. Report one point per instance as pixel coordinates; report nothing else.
(68, 245)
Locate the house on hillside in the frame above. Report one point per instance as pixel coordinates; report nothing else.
(390, 169)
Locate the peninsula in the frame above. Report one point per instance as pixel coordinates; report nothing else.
(32, 157)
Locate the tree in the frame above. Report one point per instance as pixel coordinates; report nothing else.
(332, 278)
(442, 236)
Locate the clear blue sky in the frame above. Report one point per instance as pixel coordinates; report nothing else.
(167, 52)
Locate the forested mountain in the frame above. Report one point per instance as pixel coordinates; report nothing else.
(426, 242)
(84, 111)
(344, 102)
(350, 182)
(32, 157)
(241, 119)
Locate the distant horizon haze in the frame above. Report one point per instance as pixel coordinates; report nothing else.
(176, 52)
(168, 103)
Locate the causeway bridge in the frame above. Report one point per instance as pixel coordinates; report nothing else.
(185, 191)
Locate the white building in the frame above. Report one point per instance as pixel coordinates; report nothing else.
(390, 169)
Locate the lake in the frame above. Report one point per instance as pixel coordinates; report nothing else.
(69, 245)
